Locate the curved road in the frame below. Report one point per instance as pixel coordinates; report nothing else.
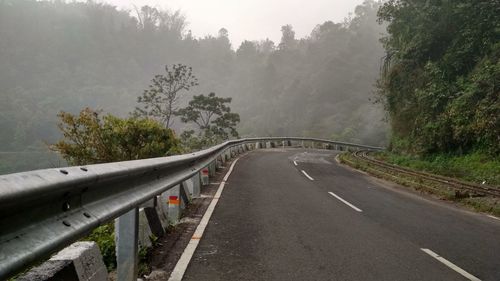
(316, 220)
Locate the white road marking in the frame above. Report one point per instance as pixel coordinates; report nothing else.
(182, 264)
(493, 217)
(451, 265)
(305, 174)
(295, 162)
(345, 202)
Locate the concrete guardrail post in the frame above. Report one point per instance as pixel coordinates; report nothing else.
(81, 261)
(127, 234)
(162, 209)
(144, 232)
(211, 169)
(196, 184)
(174, 202)
(223, 159)
(204, 176)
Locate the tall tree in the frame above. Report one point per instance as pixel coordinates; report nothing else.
(160, 100)
(287, 37)
(212, 115)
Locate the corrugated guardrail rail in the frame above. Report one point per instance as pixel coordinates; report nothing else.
(43, 211)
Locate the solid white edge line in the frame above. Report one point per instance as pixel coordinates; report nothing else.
(305, 174)
(451, 265)
(493, 217)
(181, 266)
(295, 162)
(345, 202)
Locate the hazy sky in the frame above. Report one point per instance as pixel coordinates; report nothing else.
(251, 19)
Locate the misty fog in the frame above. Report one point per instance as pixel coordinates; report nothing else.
(66, 56)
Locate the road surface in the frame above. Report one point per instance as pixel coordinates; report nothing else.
(298, 215)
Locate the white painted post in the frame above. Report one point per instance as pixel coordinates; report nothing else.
(196, 185)
(204, 176)
(174, 202)
(144, 232)
(211, 169)
(126, 230)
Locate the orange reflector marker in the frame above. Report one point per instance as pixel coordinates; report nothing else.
(204, 171)
(174, 200)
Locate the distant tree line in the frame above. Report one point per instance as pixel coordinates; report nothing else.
(67, 56)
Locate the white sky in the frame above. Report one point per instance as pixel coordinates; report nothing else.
(251, 19)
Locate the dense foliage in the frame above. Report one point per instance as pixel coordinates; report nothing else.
(90, 138)
(213, 121)
(441, 77)
(66, 56)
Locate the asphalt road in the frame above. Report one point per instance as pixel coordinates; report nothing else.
(275, 222)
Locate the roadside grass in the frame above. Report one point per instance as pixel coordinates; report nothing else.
(481, 204)
(475, 167)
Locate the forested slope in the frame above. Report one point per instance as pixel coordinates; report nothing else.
(441, 80)
(66, 56)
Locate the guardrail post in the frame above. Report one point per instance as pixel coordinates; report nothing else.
(218, 163)
(223, 159)
(268, 144)
(302, 144)
(204, 176)
(257, 145)
(127, 232)
(192, 189)
(211, 169)
(174, 202)
(196, 185)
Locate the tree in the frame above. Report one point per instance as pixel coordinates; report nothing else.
(287, 37)
(160, 100)
(213, 117)
(90, 138)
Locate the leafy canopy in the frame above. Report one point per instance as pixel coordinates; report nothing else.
(90, 138)
(213, 118)
(160, 100)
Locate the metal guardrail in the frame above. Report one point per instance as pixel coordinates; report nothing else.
(43, 211)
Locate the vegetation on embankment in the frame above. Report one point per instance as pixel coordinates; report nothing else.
(440, 82)
(474, 167)
(440, 85)
(486, 204)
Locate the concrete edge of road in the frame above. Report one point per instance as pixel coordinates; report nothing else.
(183, 262)
(409, 191)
